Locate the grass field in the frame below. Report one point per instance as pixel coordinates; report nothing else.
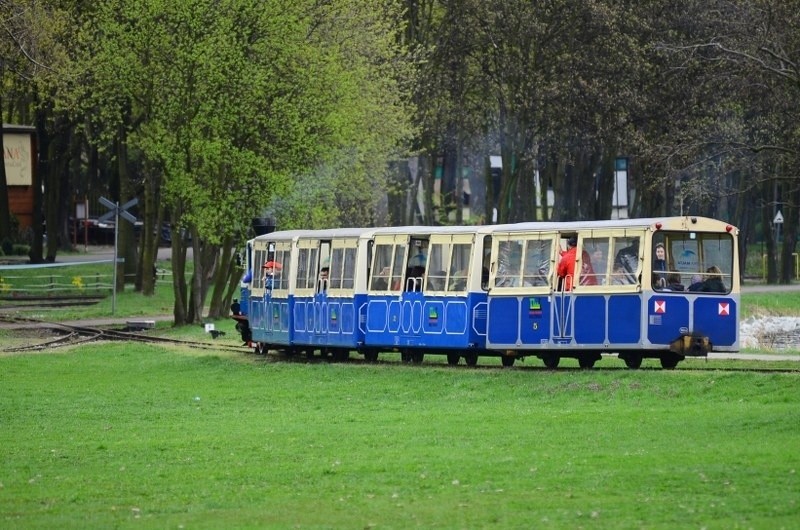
(130, 436)
(138, 436)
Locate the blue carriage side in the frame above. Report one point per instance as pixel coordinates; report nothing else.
(270, 301)
(330, 291)
(642, 288)
(427, 293)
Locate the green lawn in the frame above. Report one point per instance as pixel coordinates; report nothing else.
(132, 436)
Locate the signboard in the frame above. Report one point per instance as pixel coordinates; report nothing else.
(778, 218)
(18, 159)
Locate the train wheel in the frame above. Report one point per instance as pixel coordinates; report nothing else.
(669, 361)
(633, 361)
(405, 357)
(417, 357)
(371, 356)
(453, 358)
(310, 353)
(507, 360)
(551, 361)
(471, 359)
(586, 362)
(340, 355)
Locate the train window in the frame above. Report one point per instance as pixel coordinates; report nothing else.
(281, 274)
(258, 274)
(398, 267)
(626, 266)
(509, 264)
(698, 262)
(459, 267)
(486, 261)
(304, 265)
(596, 254)
(382, 267)
(436, 278)
(336, 268)
(349, 269)
(536, 266)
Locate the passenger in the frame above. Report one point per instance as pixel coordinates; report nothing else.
(712, 283)
(588, 276)
(322, 282)
(381, 281)
(674, 282)
(599, 264)
(660, 267)
(271, 268)
(566, 265)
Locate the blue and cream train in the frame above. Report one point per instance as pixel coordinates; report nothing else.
(662, 288)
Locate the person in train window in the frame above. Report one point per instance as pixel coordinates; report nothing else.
(381, 281)
(711, 284)
(588, 276)
(271, 268)
(660, 276)
(323, 280)
(598, 260)
(566, 265)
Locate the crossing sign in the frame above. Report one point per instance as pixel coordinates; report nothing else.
(778, 218)
(116, 211)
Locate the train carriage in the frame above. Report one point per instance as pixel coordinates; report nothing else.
(329, 292)
(269, 304)
(618, 298)
(427, 292)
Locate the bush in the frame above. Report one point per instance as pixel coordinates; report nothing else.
(20, 250)
(7, 246)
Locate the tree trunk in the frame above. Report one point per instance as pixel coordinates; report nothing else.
(220, 300)
(151, 233)
(178, 271)
(791, 215)
(127, 237)
(766, 221)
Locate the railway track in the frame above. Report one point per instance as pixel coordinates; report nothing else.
(71, 335)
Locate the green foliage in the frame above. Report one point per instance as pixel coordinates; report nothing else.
(120, 435)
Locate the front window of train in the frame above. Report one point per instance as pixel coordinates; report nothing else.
(699, 262)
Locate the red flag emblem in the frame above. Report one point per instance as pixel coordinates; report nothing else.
(660, 306)
(724, 308)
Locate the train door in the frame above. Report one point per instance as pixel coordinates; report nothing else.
(387, 274)
(596, 297)
(275, 273)
(394, 310)
(256, 301)
(446, 313)
(336, 291)
(519, 301)
(305, 314)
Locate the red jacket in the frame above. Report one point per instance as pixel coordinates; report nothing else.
(566, 268)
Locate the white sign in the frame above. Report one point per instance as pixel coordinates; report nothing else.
(18, 159)
(778, 218)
